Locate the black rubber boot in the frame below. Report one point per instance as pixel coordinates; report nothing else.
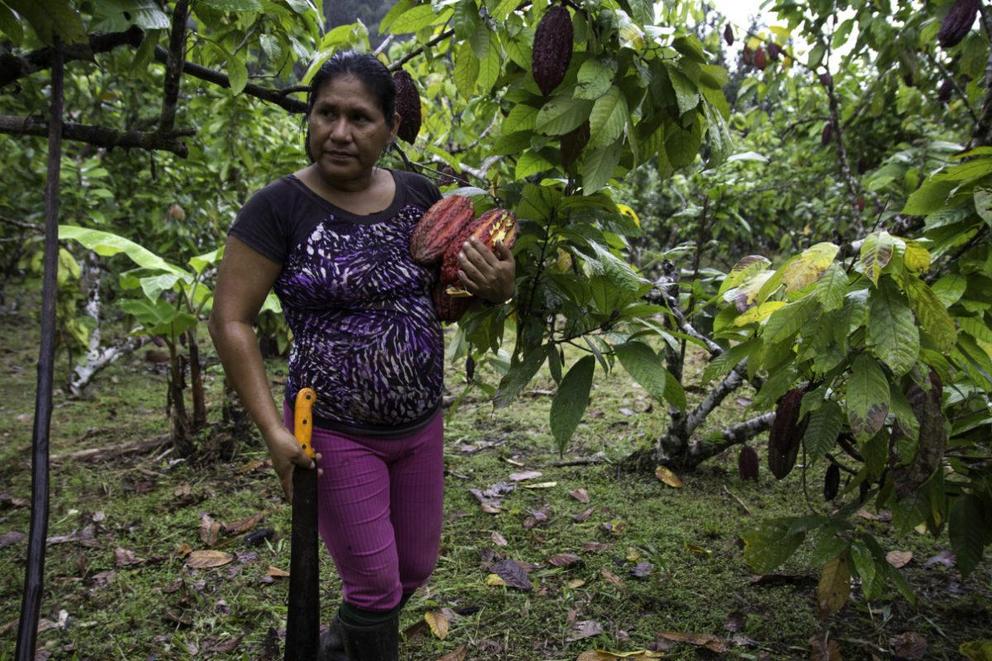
(331, 647)
(377, 642)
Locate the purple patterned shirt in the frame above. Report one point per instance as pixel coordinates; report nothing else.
(365, 333)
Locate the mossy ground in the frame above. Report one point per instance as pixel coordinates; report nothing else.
(159, 608)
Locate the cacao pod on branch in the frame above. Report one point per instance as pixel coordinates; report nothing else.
(957, 23)
(760, 61)
(774, 51)
(787, 433)
(831, 482)
(747, 464)
(552, 51)
(827, 135)
(407, 105)
(908, 476)
(945, 91)
(572, 144)
(728, 35)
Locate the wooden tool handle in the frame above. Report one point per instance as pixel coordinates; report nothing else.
(303, 419)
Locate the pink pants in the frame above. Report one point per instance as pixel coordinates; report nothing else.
(379, 506)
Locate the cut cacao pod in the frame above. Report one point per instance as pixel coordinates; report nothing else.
(957, 23)
(407, 105)
(449, 308)
(747, 464)
(491, 227)
(442, 223)
(831, 482)
(786, 434)
(552, 51)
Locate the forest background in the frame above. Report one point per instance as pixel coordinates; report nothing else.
(729, 258)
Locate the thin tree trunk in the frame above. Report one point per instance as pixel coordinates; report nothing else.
(27, 629)
(196, 383)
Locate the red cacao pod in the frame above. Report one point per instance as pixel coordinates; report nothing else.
(552, 48)
(747, 56)
(957, 23)
(407, 105)
(826, 79)
(492, 226)
(760, 60)
(444, 221)
(449, 308)
(945, 91)
(831, 482)
(787, 433)
(827, 135)
(747, 464)
(728, 35)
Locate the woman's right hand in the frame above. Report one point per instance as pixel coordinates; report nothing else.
(286, 453)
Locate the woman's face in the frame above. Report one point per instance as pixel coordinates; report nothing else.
(348, 131)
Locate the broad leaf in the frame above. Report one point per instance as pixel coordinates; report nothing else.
(867, 397)
(892, 332)
(571, 400)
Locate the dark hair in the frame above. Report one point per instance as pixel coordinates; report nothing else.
(366, 68)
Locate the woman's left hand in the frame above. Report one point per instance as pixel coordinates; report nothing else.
(486, 273)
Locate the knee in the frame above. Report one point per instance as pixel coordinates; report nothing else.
(414, 572)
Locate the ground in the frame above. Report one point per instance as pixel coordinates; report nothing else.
(118, 581)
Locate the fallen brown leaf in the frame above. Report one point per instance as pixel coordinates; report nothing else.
(564, 559)
(209, 529)
(525, 475)
(583, 515)
(707, 640)
(824, 650)
(580, 495)
(595, 547)
(899, 559)
(498, 539)
(666, 475)
(438, 623)
(909, 645)
(206, 559)
(642, 570)
(585, 629)
(244, 525)
(575, 583)
(275, 572)
(604, 655)
(610, 577)
(457, 655)
(513, 574)
(125, 557)
(11, 537)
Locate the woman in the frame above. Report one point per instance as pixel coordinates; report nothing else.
(332, 239)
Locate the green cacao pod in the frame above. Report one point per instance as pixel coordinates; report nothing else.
(957, 23)
(552, 48)
(407, 105)
(787, 433)
(572, 144)
(831, 482)
(443, 222)
(747, 464)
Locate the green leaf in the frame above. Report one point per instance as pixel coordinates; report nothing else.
(517, 378)
(892, 333)
(238, 73)
(686, 93)
(158, 317)
(466, 67)
(816, 56)
(983, 204)
(788, 320)
(412, 20)
(571, 400)
(562, 114)
(742, 270)
(931, 311)
(531, 163)
(867, 570)
(233, 5)
(867, 397)
(52, 18)
(594, 79)
(397, 10)
(825, 423)
(106, 244)
(807, 267)
(521, 118)
(489, 61)
(769, 544)
(968, 532)
(597, 165)
(831, 288)
(608, 117)
(10, 26)
(727, 360)
(928, 198)
(646, 368)
(876, 253)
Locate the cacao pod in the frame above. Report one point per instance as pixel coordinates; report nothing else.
(826, 79)
(831, 482)
(447, 175)
(945, 91)
(747, 56)
(492, 226)
(728, 35)
(957, 23)
(572, 144)
(827, 135)
(407, 105)
(787, 433)
(908, 477)
(444, 221)
(760, 60)
(774, 51)
(552, 48)
(747, 464)
(449, 308)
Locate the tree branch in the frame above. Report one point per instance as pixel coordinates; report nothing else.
(13, 67)
(398, 64)
(700, 451)
(101, 136)
(174, 66)
(730, 383)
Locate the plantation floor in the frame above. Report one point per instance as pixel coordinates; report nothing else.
(119, 585)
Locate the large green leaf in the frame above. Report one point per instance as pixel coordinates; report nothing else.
(825, 423)
(831, 288)
(686, 92)
(644, 365)
(867, 397)
(561, 115)
(969, 532)
(413, 19)
(594, 79)
(107, 244)
(466, 67)
(876, 253)
(932, 313)
(571, 400)
(52, 18)
(892, 332)
(769, 544)
(608, 117)
(597, 165)
(158, 317)
(517, 377)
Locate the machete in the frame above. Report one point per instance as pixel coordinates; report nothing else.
(303, 620)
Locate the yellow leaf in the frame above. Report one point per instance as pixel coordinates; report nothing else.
(604, 655)
(633, 555)
(540, 485)
(808, 266)
(575, 583)
(630, 213)
(207, 559)
(759, 313)
(438, 623)
(668, 477)
(834, 587)
(493, 580)
(917, 257)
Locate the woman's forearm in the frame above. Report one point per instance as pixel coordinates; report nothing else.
(237, 347)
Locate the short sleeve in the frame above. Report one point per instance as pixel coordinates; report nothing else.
(261, 229)
(421, 189)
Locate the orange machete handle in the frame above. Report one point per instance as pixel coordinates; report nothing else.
(303, 419)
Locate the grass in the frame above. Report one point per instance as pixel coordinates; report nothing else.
(151, 504)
